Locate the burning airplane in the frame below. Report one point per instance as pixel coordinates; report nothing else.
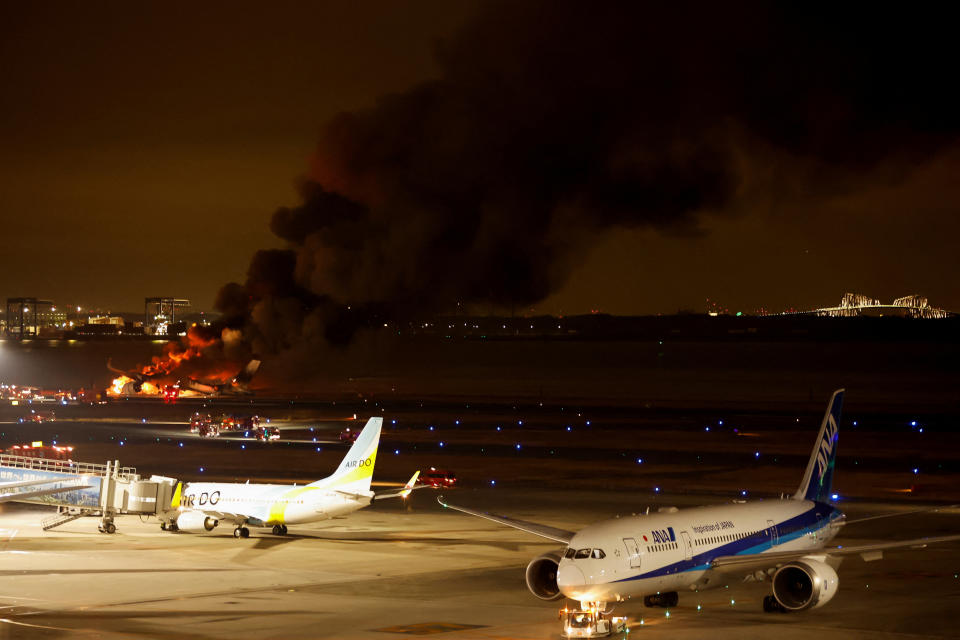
(171, 377)
(238, 385)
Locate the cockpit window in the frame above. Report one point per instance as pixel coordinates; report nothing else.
(598, 554)
(570, 552)
(582, 553)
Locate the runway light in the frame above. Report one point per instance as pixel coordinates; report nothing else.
(916, 470)
(706, 428)
(181, 444)
(666, 614)
(431, 427)
(720, 422)
(588, 423)
(744, 492)
(456, 422)
(520, 422)
(518, 445)
(201, 469)
(733, 602)
(756, 454)
(392, 421)
(498, 428)
(243, 446)
(656, 489)
(493, 483)
(913, 423)
(854, 423)
(639, 460)
(318, 449)
(835, 496)
(396, 452)
(569, 429)
(698, 607)
(441, 443)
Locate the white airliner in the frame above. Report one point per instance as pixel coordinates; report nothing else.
(658, 554)
(198, 507)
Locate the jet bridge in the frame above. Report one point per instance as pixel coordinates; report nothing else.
(80, 489)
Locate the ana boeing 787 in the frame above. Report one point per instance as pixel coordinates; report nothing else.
(655, 556)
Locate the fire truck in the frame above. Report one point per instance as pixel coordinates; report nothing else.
(38, 450)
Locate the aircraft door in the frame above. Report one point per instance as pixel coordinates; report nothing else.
(774, 534)
(633, 550)
(687, 547)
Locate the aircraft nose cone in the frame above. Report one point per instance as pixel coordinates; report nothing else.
(569, 575)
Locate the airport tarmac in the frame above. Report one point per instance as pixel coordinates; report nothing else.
(396, 570)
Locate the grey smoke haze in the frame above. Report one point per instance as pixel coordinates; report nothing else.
(553, 121)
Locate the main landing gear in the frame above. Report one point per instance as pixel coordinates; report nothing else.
(665, 599)
(279, 530)
(169, 527)
(241, 532)
(106, 524)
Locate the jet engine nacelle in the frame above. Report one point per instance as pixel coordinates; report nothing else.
(805, 584)
(542, 576)
(196, 522)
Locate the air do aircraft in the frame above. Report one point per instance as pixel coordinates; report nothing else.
(658, 554)
(198, 507)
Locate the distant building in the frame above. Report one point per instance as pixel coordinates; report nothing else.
(33, 317)
(160, 315)
(111, 320)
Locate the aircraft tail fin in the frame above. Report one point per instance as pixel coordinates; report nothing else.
(247, 373)
(356, 470)
(817, 483)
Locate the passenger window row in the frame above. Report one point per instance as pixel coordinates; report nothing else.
(666, 546)
(727, 538)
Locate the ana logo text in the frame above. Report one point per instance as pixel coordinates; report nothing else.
(826, 445)
(661, 536)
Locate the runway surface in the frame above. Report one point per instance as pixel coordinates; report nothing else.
(395, 571)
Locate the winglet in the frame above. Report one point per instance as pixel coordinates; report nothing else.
(175, 503)
(407, 488)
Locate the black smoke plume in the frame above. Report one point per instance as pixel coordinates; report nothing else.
(553, 121)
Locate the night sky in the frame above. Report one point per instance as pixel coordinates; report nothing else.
(406, 157)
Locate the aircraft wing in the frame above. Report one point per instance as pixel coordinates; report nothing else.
(869, 552)
(542, 530)
(901, 513)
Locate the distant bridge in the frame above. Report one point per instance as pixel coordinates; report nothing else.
(855, 305)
